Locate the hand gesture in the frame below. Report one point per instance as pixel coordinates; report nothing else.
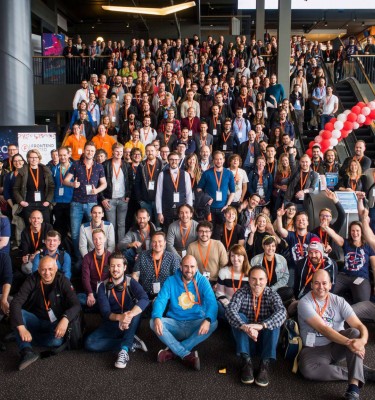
(331, 195)
(281, 211)
(76, 184)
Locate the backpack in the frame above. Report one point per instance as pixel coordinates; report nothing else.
(291, 342)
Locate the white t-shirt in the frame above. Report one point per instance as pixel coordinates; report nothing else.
(328, 104)
(240, 179)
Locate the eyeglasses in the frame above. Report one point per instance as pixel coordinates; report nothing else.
(204, 232)
(33, 158)
(326, 215)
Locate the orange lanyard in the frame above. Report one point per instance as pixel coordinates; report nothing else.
(269, 268)
(270, 170)
(225, 138)
(290, 225)
(217, 179)
(184, 238)
(36, 245)
(177, 181)
(323, 237)
(260, 180)
(165, 138)
(243, 101)
(300, 245)
(205, 261)
(114, 170)
(330, 167)
(239, 283)
(227, 242)
(311, 271)
(46, 303)
(353, 184)
(191, 122)
(315, 167)
(303, 182)
(36, 180)
(157, 266)
(196, 290)
(319, 310)
(88, 174)
(122, 297)
(286, 175)
(257, 308)
(100, 271)
(151, 172)
(239, 125)
(63, 176)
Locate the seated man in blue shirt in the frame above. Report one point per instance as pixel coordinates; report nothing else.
(191, 316)
(121, 300)
(63, 260)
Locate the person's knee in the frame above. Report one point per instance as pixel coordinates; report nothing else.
(352, 333)
(309, 370)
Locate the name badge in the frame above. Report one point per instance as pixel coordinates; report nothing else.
(328, 59)
(117, 186)
(310, 339)
(37, 196)
(118, 99)
(176, 197)
(224, 147)
(251, 159)
(151, 185)
(79, 151)
(261, 192)
(113, 119)
(244, 110)
(88, 189)
(214, 132)
(219, 195)
(358, 281)
(190, 133)
(61, 191)
(239, 134)
(156, 287)
(183, 253)
(51, 316)
(207, 274)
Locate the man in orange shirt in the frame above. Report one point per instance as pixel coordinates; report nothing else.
(76, 142)
(103, 141)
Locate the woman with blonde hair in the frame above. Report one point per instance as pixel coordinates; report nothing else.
(353, 180)
(230, 232)
(192, 167)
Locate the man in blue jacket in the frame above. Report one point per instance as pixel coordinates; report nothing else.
(191, 317)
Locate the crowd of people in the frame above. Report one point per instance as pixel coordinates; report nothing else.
(178, 195)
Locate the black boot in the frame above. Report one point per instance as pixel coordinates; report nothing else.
(247, 371)
(262, 378)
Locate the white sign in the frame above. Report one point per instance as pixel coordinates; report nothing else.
(310, 5)
(44, 142)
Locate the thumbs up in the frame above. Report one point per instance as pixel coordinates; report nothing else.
(76, 184)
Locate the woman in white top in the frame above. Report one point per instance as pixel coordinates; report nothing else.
(240, 179)
(232, 277)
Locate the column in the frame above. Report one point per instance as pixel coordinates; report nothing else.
(16, 68)
(283, 38)
(260, 20)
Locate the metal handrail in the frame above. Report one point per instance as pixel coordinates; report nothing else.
(357, 59)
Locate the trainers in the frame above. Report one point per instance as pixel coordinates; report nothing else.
(165, 355)
(262, 378)
(122, 359)
(369, 373)
(138, 344)
(192, 361)
(27, 358)
(247, 371)
(351, 395)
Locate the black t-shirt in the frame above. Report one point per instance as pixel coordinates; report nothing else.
(30, 185)
(273, 277)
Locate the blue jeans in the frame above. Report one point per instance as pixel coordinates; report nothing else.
(82, 297)
(78, 212)
(117, 216)
(265, 346)
(42, 332)
(182, 336)
(324, 119)
(109, 337)
(151, 208)
(221, 311)
(130, 255)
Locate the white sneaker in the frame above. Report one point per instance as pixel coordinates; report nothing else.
(138, 344)
(122, 359)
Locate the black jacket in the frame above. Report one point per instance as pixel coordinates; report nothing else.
(141, 182)
(244, 147)
(27, 246)
(108, 171)
(62, 297)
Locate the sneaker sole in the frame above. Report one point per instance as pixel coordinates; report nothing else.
(261, 384)
(248, 382)
(142, 343)
(121, 366)
(28, 362)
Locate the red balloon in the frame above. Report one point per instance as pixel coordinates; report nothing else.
(344, 134)
(325, 144)
(361, 104)
(309, 152)
(356, 110)
(311, 144)
(372, 114)
(329, 127)
(368, 121)
(348, 126)
(326, 135)
(332, 121)
(352, 117)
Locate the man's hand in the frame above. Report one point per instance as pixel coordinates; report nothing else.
(76, 184)
(281, 211)
(158, 325)
(4, 306)
(61, 328)
(93, 190)
(161, 218)
(300, 194)
(204, 328)
(90, 300)
(24, 333)
(331, 195)
(106, 205)
(46, 204)
(24, 204)
(127, 317)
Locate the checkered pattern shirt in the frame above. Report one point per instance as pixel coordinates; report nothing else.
(272, 310)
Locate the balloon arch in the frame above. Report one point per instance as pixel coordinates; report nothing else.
(339, 128)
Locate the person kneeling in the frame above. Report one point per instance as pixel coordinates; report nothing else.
(256, 314)
(191, 316)
(121, 300)
(42, 309)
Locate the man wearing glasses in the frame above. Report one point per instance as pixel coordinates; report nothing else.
(173, 190)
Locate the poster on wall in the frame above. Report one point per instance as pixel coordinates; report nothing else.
(9, 135)
(53, 67)
(43, 141)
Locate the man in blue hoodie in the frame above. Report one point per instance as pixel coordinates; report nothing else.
(191, 316)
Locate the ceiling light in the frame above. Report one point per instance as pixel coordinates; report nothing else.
(152, 11)
(99, 39)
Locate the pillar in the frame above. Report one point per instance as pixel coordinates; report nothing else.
(260, 20)
(283, 51)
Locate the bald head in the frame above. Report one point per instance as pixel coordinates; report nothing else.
(47, 269)
(321, 284)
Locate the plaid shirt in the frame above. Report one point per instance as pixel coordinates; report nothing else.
(272, 310)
